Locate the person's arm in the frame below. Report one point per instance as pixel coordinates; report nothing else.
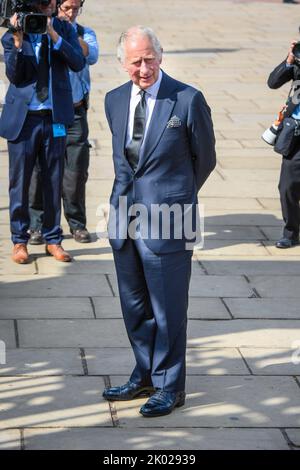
(284, 72)
(90, 43)
(201, 138)
(69, 48)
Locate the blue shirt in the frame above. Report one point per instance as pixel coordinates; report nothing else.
(81, 81)
(36, 41)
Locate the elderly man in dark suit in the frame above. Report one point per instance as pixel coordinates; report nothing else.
(38, 107)
(163, 151)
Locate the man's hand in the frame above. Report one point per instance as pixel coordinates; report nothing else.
(291, 58)
(17, 35)
(51, 31)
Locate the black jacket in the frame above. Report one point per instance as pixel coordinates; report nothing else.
(281, 75)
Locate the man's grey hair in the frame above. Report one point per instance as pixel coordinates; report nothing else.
(138, 31)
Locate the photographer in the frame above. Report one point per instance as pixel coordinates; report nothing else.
(289, 183)
(77, 153)
(37, 109)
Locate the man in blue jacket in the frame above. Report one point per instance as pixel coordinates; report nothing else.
(163, 151)
(77, 153)
(38, 107)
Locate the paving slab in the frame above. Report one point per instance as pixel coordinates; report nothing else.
(82, 264)
(209, 309)
(243, 333)
(263, 361)
(42, 362)
(232, 248)
(72, 333)
(283, 309)
(276, 286)
(219, 286)
(53, 402)
(244, 402)
(201, 361)
(7, 334)
(155, 439)
(266, 265)
(10, 439)
(39, 308)
(198, 308)
(78, 285)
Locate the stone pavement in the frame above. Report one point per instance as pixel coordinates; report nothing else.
(61, 324)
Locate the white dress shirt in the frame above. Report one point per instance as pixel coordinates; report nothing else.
(150, 97)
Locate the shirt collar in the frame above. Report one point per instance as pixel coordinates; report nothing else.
(152, 90)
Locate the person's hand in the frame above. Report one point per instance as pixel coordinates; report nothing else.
(291, 58)
(51, 31)
(17, 35)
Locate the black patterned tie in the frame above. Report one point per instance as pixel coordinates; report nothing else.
(42, 86)
(133, 149)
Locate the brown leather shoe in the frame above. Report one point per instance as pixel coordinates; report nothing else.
(58, 252)
(20, 253)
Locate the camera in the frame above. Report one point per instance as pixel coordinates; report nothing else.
(296, 52)
(30, 21)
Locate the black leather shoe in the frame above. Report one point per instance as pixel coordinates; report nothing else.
(162, 403)
(36, 238)
(286, 243)
(81, 235)
(129, 391)
(290, 1)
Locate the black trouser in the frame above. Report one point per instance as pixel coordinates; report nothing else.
(289, 188)
(76, 165)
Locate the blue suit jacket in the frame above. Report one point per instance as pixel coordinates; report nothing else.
(174, 162)
(21, 71)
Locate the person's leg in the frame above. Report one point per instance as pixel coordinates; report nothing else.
(36, 210)
(289, 188)
(76, 172)
(136, 309)
(51, 162)
(22, 157)
(167, 278)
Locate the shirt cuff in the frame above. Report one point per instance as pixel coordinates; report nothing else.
(289, 65)
(57, 44)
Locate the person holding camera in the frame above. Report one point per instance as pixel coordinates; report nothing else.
(77, 152)
(289, 183)
(37, 109)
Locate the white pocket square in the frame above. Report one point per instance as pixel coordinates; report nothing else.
(174, 122)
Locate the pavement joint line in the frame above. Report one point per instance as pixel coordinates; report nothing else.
(297, 380)
(111, 404)
(245, 361)
(227, 308)
(84, 362)
(16, 334)
(110, 285)
(93, 307)
(203, 267)
(22, 439)
(257, 199)
(263, 233)
(287, 439)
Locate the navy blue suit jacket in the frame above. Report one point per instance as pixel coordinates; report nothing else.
(21, 71)
(174, 162)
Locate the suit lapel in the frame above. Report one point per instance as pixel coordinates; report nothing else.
(163, 108)
(122, 118)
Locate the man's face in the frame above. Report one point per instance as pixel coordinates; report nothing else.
(141, 61)
(48, 10)
(69, 10)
